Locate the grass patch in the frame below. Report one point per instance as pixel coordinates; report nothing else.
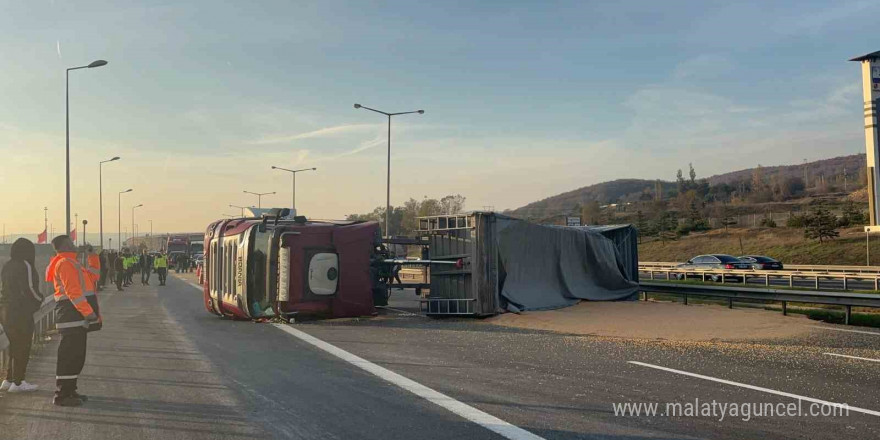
(786, 244)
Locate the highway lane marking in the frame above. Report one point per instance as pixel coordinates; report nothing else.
(466, 411)
(762, 389)
(852, 357)
(846, 330)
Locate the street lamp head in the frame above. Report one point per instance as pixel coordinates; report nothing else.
(114, 158)
(97, 63)
(273, 167)
(421, 112)
(357, 106)
(314, 169)
(128, 190)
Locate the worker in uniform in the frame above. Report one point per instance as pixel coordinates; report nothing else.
(146, 266)
(76, 310)
(119, 270)
(93, 265)
(20, 300)
(161, 265)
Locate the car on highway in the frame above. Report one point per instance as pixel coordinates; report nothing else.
(760, 262)
(713, 261)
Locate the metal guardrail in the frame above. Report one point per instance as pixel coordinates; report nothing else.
(723, 275)
(44, 322)
(848, 300)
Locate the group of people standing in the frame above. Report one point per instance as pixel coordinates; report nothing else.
(76, 277)
(123, 266)
(76, 312)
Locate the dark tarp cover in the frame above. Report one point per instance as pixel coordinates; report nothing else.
(548, 267)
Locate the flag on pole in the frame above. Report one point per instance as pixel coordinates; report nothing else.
(41, 238)
(73, 235)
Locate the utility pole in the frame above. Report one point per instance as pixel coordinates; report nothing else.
(844, 179)
(46, 222)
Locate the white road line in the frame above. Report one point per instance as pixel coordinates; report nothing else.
(481, 418)
(846, 330)
(189, 282)
(852, 357)
(762, 389)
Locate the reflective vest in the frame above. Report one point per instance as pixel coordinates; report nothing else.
(160, 262)
(126, 263)
(94, 267)
(75, 298)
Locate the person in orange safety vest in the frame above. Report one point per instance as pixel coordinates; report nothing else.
(76, 309)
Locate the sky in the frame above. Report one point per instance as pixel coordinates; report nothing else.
(522, 100)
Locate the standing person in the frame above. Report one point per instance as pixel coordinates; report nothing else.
(105, 264)
(146, 268)
(119, 269)
(93, 264)
(161, 265)
(20, 300)
(76, 309)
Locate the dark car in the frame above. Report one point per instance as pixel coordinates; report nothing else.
(760, 262)
(714, 261)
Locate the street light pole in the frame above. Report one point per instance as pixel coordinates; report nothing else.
(133, 231)
(97, 63)
(259, 198)
(119, 218)
(101, 196)
(388, 177)
(293, 172)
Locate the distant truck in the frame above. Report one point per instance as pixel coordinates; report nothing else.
(175, 246)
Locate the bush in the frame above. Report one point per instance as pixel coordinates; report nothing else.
(768, 222)
(796, 221)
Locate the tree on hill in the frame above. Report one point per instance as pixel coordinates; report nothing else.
(592, 213)
(852, 216)
(820, 224)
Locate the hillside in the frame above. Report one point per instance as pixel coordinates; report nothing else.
(826, 173)
(786, 244)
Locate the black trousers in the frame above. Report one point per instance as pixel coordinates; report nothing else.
(145, 276)
(71, 359)
(20, 331)
(163, 274)
(102, 282)
(119, 279)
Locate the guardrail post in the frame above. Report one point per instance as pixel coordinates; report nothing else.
(817, 282)
(844, 283)
(744, 279)
(645, 295)
(729, 302)
(767, 279)
(875, 283)
(784, 308)
(685, 299)
(652, 275)
(704, 276)
(848, 316)
(722, 277)
(790, 280)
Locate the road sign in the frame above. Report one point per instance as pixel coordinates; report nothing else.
(572, 221)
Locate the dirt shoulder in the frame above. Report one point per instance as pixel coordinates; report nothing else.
(659, 320)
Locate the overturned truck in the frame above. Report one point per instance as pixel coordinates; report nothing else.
(277, 267)
(513, 265)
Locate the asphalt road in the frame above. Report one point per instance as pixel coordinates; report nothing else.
(165, 368)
